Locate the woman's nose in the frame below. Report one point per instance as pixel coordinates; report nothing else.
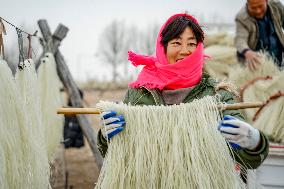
(185, 50)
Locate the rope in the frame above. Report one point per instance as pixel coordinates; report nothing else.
(270, 99)
(251, 82)
(30, 49)
(34, 35)
(21, 49)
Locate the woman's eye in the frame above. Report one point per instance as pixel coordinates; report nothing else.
(192, 44)
(176, 43)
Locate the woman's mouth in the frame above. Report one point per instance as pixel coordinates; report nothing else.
(177, 60)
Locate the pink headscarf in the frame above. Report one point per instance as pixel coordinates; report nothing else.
(158, 73)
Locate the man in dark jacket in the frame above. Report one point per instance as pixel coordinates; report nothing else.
(259, 27)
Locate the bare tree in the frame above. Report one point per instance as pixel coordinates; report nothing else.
(147, 41)
(142, 42)
(117, 39)
(131, 43)
(113, 46)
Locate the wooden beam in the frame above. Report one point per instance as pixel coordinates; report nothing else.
(69, 83)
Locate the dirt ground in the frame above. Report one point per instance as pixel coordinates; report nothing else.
(80, 168)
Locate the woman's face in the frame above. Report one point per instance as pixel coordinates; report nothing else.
(181, 47)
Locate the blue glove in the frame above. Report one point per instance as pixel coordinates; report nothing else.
(222, 124)
(239, 132)
(112, 123)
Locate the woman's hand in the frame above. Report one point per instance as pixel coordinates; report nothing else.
(112, 123)
(239, 132)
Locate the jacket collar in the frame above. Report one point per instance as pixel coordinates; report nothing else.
(157, 95)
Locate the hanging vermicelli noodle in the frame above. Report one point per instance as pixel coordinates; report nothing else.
(175, 146)
(270, 120)
(27, 84)
(260, 90)
(13, 136)
(256, 92)
(51, 100)
(2, 166)
(276, 84)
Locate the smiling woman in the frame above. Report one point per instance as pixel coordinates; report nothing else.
(174, 77)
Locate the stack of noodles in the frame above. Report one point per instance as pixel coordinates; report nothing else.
(175, 146)
(222, 52)
(270, 118)
(50, 101)
(240, 74)
(23, 159)
(258, 86)
(223, 38)
(222, 58)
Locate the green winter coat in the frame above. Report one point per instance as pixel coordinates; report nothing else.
(144, 96)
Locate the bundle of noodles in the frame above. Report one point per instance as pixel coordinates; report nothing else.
(241, 74)
(222, 58)
(168, 147)
(259, 88)
(2, 165)
(270, 120)
(15, 171)
(228, 40)
(50, 100)
(27, 84)
(224, 39)
(254, 92)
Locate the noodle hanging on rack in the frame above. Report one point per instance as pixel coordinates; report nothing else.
(175, 146)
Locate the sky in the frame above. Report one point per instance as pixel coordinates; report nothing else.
(86, 20)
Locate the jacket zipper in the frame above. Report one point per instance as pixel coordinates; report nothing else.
(152, 95)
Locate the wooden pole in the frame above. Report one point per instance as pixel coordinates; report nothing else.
(73, 111)
(243, 105)
(66, 78)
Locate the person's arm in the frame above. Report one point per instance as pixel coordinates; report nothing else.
(101, 141)
(281, 12)
(241, 38)
(250, 159)
(246, 56)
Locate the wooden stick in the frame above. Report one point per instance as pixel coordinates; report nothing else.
(73, 111)
(241, 105)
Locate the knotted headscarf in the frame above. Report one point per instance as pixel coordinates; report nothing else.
(158, 73)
